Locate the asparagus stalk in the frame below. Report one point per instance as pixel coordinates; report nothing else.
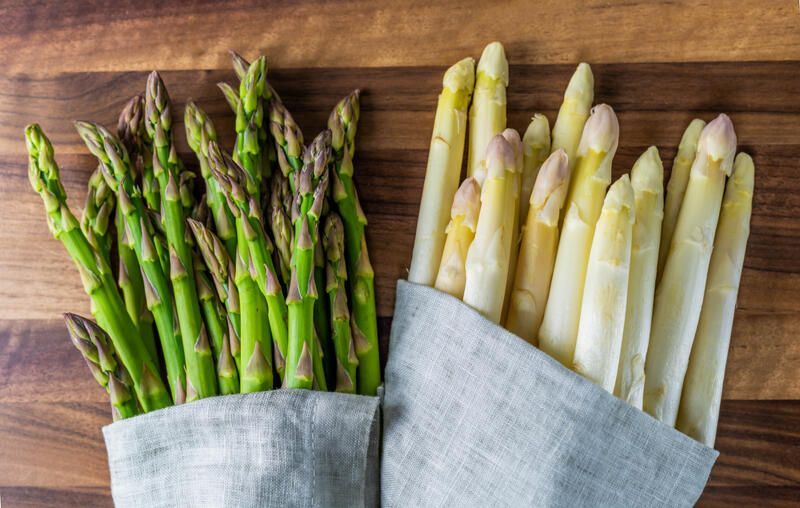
(602, 319)
(281, 226)
(221, 269)
(676, 187)
(97, 349)
(201, 378)
(514, 182)
(326, 362)
(443, 171)
(679, 295)
(702, 389)
(647, 179)
(249, 124)
(343, 122)
(574, 112)
(232, 180)
(311, 185)
(199, 132)
(97, 214)
(535, 149)
(132, 133)
(149, 251)
(460, 232)
(288, 140)
(336, 287)
(584, 202)
(489, 253)
(98, 281)
(538, 248)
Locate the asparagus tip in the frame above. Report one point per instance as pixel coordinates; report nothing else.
(601, 132)
(493, 62)
(461, 76)
(718, 140)
(499, 157)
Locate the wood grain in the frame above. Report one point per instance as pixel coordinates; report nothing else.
(658, 63)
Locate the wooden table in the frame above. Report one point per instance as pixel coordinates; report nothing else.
(658, 64)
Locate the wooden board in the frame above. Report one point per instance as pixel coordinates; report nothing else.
(659, 65)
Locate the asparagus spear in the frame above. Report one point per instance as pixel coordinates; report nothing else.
(132, 133)
(702, 389)
(460, 232)
(602, 318)
(98, 351)
(288, 141)
(442, 173)
(201, 378)
(97, 214)
(647, 179)
(249, 124)
(199, 132)
(676, 188)
(343, 122)
(538, 248)
(573, 113)
(232, 180)
(514, 182)
(325, 358)
(280, 225)
(346, 359)
(487, 115)
(221, 269)
(679, 295)
(584, 201)
(98, 281)
(489, 253)
(130, 130)
(311, 185)
(535, 149)
(149, 251)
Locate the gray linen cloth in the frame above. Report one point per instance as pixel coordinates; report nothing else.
(278, 448)
(474, 416)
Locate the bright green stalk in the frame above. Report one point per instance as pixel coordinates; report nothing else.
(343, 122)
(116, 169)
(346, 359)
(311, 185)
(250, 124)
(322, 319)
(201, 378)
(98, 281)
(98, 351)
(199, 131)
(232, 180)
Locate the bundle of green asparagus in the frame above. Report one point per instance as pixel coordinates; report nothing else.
(632, 292)
(261, 279)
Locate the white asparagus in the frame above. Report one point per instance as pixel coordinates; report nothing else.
(487, 115)
(647, 180)
(514, 183)
(574, 111)
(443, 172)
(679, 294)
(676, 188)
(587, 189)
(599, 342)
(702, 389)
(535, 149)
(460, 232)
(488, 256)
(538, 248)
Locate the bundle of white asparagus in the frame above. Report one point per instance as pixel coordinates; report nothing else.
(635, 293)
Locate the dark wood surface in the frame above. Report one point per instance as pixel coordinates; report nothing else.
(658, 63)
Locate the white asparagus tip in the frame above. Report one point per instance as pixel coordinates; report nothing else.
(537, 134)
(692, 134)
(743, 175)
(620, 196)
(461, 76)
(493, 62)
(553, 173)
(601, 132)
(718, 141)
(647, 173)
(512, 136)
(581, 84)
(499, 157)
(467, 202)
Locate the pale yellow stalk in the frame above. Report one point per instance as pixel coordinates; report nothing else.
(573, 113)
(443, 172)
(679, 294)
(676, 188)
(460, 232)
(538, 248)
(587, 189)
(514, 182)
(535, 149)
(647, 180)
(487, 115)
(488, 256)
(702, 389)
(605, 294)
